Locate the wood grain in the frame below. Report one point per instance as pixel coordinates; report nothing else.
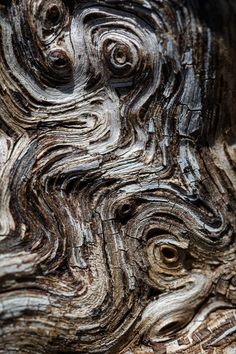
(117, 165)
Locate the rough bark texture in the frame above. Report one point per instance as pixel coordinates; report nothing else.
(117, 141)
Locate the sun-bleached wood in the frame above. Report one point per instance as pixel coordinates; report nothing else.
(117, 167)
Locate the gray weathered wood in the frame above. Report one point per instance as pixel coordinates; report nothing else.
(117, 165)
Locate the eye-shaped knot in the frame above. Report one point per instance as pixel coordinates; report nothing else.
(60, 65)
(53, 15)
(125, 210)
(121, 57)
(166, 253)
(169, 254)
(58, 59)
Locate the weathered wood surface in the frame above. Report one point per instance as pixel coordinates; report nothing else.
(117, 176)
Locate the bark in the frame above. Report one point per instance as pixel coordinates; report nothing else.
(117, 142)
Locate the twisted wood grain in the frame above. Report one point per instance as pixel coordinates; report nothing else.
(117, 205)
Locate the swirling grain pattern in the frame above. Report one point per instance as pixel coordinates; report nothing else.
(117, 204)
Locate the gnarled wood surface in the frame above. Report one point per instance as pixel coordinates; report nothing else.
(117, 165)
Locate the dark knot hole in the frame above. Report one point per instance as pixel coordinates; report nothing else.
(53, 14)
(169, 253)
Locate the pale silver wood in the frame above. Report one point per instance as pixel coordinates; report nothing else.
(117, 165)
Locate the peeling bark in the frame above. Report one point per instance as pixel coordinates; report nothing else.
(117, 165)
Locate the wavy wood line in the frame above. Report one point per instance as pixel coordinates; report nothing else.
(118, 185)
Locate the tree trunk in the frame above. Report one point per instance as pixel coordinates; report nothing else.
(118, 157)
